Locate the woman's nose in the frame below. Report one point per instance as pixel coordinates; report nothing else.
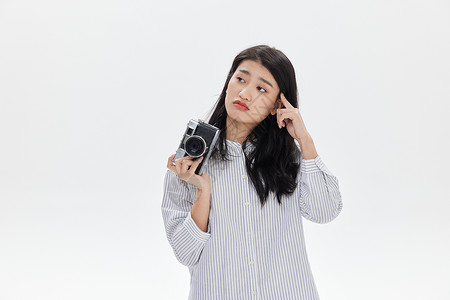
(244, 94)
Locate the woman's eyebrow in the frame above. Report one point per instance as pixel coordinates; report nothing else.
(262, 79)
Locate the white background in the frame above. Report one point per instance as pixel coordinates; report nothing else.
(94, 97)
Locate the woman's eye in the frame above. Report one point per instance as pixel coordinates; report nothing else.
(240, 79)
(261, 89)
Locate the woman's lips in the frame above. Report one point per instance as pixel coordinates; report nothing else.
(240, 105)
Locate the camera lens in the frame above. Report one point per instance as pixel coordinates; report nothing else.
(195, 146)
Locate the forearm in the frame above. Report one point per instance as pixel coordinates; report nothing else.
(307, 146)
(200, 209)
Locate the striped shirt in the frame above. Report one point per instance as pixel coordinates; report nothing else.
(248, 252)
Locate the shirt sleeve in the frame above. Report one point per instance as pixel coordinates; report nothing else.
(185, 237)
(320, 198)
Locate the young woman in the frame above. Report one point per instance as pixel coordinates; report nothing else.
(238, 226)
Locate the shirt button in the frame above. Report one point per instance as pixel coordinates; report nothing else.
(247, 203)
(251, 262)
(248, 233)
(243, 176)
(254, 292)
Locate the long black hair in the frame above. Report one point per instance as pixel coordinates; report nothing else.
(273, 163)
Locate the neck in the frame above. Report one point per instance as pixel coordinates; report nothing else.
(237, 132)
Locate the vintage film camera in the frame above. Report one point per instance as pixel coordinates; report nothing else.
(198, 140)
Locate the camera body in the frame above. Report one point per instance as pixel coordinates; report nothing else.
(198, 140)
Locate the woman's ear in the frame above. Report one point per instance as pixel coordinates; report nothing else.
(278, 104)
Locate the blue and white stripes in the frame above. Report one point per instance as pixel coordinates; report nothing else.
(248, 252)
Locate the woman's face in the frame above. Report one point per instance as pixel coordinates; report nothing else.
(251, 94)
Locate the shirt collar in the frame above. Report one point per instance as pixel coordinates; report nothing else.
(235, 148)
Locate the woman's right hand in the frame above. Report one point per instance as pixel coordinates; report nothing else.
(185, 169)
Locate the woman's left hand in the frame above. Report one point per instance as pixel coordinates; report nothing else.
(290, 117)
